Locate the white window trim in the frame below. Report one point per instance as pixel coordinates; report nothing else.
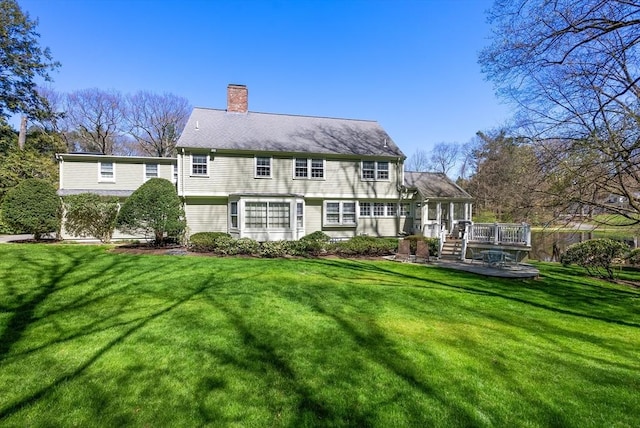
(255, 167)
(372, 209)
(309, 174)
(101, 179)
(191, 174)
(174, 173)
(375, 170)
(144, 170)
(237, 215)
(341, 222)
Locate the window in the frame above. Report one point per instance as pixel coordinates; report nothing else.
(308, 168)
(301, 169)
(261, 215)
(378, 209)
(340, 213)
(279, 215)
(150, 170)
(233, 214)
(368, 170)
(382, 172)
(391, 209)
(255, 215)
(405, 209)
(107, 171)
(263, 167)
(317, 168)
(365, 209)
(375, 170)
(174, 173)
(300, 215)
(199, 164)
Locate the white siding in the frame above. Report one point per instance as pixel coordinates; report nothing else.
(129, 173)
(236, 174)
(206, 215)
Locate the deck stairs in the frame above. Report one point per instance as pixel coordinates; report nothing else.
(451, 249)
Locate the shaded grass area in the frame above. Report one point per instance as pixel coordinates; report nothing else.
(92, 338)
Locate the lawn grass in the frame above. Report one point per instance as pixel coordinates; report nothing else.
(92, 338)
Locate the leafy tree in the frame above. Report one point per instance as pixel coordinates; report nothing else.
(33, 207)
(156, 121)
(22, 62)
(153, 209)
(570, 67)
(8, 137)
(19, 165)
(504, 181)
(88, 214)
(595, 255)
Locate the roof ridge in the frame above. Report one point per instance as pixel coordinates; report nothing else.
(289, 114)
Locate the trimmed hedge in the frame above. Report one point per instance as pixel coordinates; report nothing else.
(367, 246)
(317, 243)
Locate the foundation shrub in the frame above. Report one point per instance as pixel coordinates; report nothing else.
(207, 242)
(367, 246)
(275, 249)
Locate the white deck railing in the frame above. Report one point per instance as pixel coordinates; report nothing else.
(499, 233)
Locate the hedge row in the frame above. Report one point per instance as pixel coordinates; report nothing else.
(317, 243)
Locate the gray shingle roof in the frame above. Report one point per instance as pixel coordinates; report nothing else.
(217, 129)
(434, 185)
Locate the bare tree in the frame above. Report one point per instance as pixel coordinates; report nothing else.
(94, 119)
(156, 121)
(570, 66)
(418, 161)
(444, 156)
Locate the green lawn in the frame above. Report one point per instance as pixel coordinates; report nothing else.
(91, 338)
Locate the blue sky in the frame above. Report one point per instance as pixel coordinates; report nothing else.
(410, 65)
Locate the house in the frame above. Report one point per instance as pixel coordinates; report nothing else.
(280, 177)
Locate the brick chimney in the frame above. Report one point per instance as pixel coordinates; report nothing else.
(237, 98)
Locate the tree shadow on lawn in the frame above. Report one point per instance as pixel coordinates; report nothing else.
(580, 300)
(267, 352)
(54, 277)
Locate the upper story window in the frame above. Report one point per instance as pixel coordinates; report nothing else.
(375, 170)
(308, 168)
(263, 167)
(340, 213)
(107, 171)
(150, 170)
(199, 164)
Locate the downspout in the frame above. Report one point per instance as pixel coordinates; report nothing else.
(400, 187)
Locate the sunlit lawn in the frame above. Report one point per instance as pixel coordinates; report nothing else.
(91, 338)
